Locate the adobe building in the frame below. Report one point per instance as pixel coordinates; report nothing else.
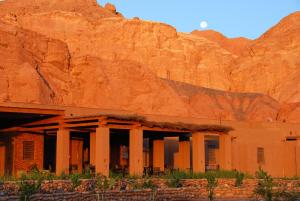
(70, 139)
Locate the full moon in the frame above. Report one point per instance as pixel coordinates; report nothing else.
(203, 24)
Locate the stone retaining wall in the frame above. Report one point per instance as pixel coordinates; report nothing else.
(179, 194)
(192, 189)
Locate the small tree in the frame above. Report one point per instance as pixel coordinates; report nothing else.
(239, 177)
(211, 185)
(102, 183)
(75, 178)
(28, 187)
(265, 185)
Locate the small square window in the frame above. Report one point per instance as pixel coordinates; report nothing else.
(260, 155)
(28, 150)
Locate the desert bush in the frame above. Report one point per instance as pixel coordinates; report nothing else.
(29, 185)
(285, 195)
(239, 177)
(211, 185)
(75, 179)
(173, 178)
(102, 183)
(265, 185)
(63, 176)
(148, 184)
(87, 173)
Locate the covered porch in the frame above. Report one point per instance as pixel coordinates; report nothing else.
(130, 144)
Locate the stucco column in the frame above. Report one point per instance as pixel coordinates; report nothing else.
(102, 151)
(184, 153)
(2, 159)
(136, 152)
(198, 152)
(225, 152)
(62, 151)
(159, 154)
(92, 148)
(298, 157)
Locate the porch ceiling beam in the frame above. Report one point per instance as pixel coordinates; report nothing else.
(51, 120)
(22, 129)
(89, 124)
(164, 129)
(31, 110)
(119, 126)
(82, 119)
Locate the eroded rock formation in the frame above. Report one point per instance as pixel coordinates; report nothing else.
(75, 52)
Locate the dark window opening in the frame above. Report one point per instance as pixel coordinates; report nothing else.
(260, 155)
(291, 139)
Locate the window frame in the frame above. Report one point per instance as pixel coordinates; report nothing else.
(28, 150)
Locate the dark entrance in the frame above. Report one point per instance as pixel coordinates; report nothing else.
(50, 153)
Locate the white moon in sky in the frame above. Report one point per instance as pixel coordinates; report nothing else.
(203, 24)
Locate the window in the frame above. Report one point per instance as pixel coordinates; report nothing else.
(260, 155)
(291, 139)
(28, 150)
(168, 75)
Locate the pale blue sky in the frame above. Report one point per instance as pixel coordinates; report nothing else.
(233, 18)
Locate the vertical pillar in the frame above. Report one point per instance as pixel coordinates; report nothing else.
(62, 151)
(184, 154)
(298, 157)
(198, 152)
(92, 148)
(136, 152)
(159, 154)
(102, 151)
(2, 159)
(225, 152)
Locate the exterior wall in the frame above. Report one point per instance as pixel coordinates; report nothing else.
(20, 165)
(280, 155)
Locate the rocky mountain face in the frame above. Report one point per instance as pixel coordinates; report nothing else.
(271, 65)
(233, 45)
(75, 52)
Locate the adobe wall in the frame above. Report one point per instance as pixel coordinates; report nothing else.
(21, 165)
(282, 158)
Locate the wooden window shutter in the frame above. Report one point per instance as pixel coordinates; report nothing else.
(28, 150)
(260, 155)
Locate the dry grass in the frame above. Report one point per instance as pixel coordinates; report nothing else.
(189, 127)
(169, 125)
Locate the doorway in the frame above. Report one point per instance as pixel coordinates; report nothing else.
(50, 153)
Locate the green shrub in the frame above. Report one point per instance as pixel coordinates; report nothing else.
(265, 185)
(63, 176)
(286, 196)
(135, 184)
(87, 173)
(148, 184)
(29, 185)
(102, 183)
(174, 178)
(239, 177)
(211, 185)
(75, 179)
(112, 183)
(115, 175)
(174, 183)
(178, 175)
